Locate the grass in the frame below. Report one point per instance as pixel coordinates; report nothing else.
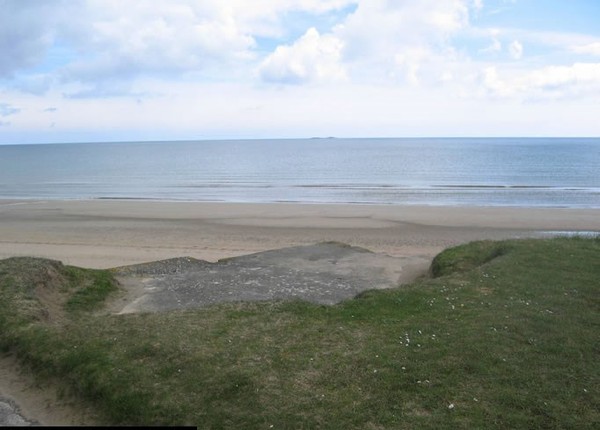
(95, 287)
(503, 335)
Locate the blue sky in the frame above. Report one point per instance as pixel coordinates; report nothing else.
(93, 70)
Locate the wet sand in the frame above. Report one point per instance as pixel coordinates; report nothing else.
(110, 233)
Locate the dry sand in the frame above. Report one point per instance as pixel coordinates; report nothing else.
(109, 233)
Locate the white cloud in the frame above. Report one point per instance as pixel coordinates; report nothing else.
(103, 40)
(515, 49)
(382, 27)
(311, 58)
(580, 80)
(494, 46)
(111, 42)
(7, 109)
(147, 35)
(407, 41)
(493, 84)
(380, 40)
(217, 40)
(26, 32)
(589, 49)
(567, 80)
(409, 63)
(158, 37)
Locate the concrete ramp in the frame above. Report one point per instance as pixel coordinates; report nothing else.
(326, 273)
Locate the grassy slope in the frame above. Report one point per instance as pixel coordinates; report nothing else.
(506, 336)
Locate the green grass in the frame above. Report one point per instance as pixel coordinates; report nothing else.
(95, 287)
(505, 335)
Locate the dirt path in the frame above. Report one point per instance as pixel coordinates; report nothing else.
(24, 402)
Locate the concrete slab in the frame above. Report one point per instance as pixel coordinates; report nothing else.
(325, 273)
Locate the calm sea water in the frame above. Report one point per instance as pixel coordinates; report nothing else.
(496, 172)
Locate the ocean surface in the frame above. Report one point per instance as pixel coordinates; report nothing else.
(561, 172)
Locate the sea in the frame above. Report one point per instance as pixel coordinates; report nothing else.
(526, 172)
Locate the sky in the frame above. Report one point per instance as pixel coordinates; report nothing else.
(113, 70)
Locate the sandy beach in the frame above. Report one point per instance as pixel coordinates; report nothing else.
(110, 233)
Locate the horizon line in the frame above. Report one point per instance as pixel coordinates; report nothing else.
(237, 139)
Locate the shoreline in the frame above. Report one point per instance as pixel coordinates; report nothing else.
(24, 200)
(103, 233)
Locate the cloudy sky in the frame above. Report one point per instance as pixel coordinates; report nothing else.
(98, 70)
